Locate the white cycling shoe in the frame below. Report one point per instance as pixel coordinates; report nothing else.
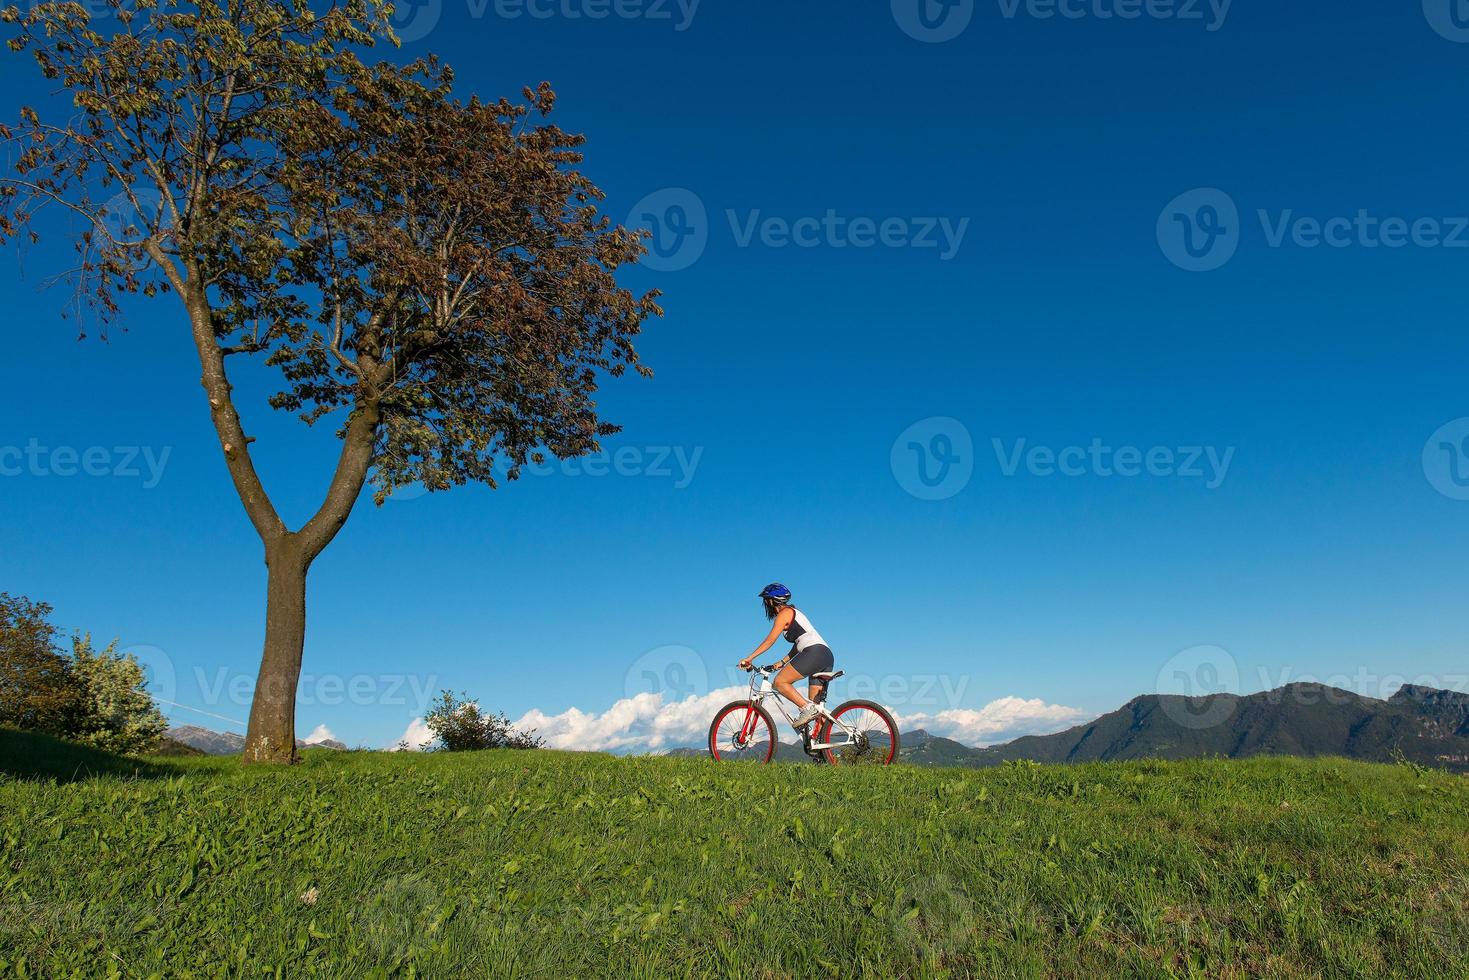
(807, 715)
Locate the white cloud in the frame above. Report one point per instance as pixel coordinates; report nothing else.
(999, 721)
(416, 735)
(645, 723)
(320, 734)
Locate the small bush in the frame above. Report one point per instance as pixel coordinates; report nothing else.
(117, 715)
(460, 726)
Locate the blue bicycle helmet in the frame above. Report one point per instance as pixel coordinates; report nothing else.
(777, 592)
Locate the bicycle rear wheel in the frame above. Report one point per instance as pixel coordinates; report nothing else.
(742, 731)
(873, 740)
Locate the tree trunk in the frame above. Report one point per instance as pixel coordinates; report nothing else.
(272, 733)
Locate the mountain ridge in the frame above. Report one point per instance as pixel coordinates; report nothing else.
(211, 742)
(1420, 724)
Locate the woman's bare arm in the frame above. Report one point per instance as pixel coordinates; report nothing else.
(782, 621)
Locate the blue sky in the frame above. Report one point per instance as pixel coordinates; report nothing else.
(999, 237)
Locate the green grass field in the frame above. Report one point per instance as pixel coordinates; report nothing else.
(541, 863)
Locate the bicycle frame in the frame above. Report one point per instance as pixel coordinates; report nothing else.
(759, 693)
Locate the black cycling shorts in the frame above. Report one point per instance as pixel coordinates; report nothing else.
(814, 659)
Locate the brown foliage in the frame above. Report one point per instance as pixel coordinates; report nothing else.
(36, 689)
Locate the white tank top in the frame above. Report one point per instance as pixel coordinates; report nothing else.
(801, 632)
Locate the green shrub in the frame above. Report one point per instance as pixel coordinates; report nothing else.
(117, 714)
(460, 726)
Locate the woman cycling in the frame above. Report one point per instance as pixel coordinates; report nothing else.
(809, 652)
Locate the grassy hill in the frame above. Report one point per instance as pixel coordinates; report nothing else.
(544, 863)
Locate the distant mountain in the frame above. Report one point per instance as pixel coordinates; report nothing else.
(325, 743)
(924, 749)
(229, 743)
(206, 741)
(169, 746)
(1421, 724)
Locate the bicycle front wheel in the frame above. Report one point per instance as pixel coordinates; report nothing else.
(742, 731)
(864, 734)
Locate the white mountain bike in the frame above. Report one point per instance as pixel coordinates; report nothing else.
(856, 733)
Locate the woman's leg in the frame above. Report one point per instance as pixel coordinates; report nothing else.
(785, 683)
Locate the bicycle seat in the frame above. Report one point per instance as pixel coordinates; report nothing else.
(827, 675)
